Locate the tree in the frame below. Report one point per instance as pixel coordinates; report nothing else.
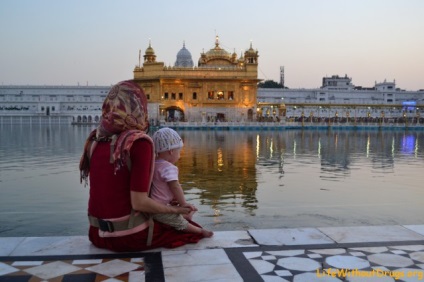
(269, 84)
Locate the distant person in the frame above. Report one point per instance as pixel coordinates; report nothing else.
(166, 188)
(118, 161)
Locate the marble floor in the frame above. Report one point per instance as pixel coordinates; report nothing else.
(361, 253)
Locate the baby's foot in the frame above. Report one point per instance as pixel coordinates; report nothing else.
(207, 233)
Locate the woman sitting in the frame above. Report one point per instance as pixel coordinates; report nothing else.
(118, 160)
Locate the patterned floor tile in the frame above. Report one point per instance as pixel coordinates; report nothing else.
(52, 269)
(108, 268)
(371, 263)
(336, 262)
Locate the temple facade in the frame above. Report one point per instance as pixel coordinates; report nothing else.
(222, 87)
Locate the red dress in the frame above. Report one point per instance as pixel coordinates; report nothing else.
(110, 198)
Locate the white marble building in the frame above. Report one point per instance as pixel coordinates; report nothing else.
(338, 99)
(51, 103)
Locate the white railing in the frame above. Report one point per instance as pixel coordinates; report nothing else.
(222, 124)
(283, 124)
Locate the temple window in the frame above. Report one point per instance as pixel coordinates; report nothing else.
(194, 96)
(220, 95)
(180, 96)
(173, 96)
(166, 96)
(230, 95)
(211, 95)
(148, 96)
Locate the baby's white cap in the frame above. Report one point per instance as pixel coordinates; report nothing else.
(166, 139)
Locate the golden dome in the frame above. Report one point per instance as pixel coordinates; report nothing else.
(149, 50)
(216, 56)
(217, 51)
(251, 51)
(149, 55)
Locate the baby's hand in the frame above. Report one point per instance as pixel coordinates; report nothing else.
(190, 206)
(183, 210)
(189, 216)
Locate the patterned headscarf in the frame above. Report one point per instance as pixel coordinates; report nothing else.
(124, 120)
(124, 108)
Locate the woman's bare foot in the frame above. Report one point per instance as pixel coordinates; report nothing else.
(207, 233)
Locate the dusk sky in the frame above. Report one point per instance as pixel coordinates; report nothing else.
(97, 42)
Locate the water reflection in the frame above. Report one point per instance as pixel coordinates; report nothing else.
(226, 170)
(238, 179)
(221, 165)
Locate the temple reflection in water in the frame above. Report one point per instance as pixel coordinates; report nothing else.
(222, 165)
(230, 170)
(238, 179)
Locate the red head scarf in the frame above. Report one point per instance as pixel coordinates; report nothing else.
(124, 108)
(124, 120)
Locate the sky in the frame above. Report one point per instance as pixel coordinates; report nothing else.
(97, 42)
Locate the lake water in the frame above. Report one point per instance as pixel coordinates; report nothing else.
(238, 179)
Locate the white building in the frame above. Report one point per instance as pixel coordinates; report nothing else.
(64, 104)
(338, 99)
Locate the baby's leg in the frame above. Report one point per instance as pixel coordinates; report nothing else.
(194, 229)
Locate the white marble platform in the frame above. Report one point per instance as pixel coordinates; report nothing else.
(80, 245)
(361, 234)
(38, 246)
(199, 265)
(290, 236)
(331, 235)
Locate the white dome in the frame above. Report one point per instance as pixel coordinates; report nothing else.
(184, 58)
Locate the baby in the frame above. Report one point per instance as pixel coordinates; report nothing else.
(165, 186)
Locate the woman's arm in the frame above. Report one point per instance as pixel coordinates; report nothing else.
(140, 201)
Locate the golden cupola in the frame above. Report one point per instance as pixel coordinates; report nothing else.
(216, 56)
(149, 55)
(251, 56)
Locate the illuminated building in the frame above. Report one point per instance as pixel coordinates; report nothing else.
(221, 88)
